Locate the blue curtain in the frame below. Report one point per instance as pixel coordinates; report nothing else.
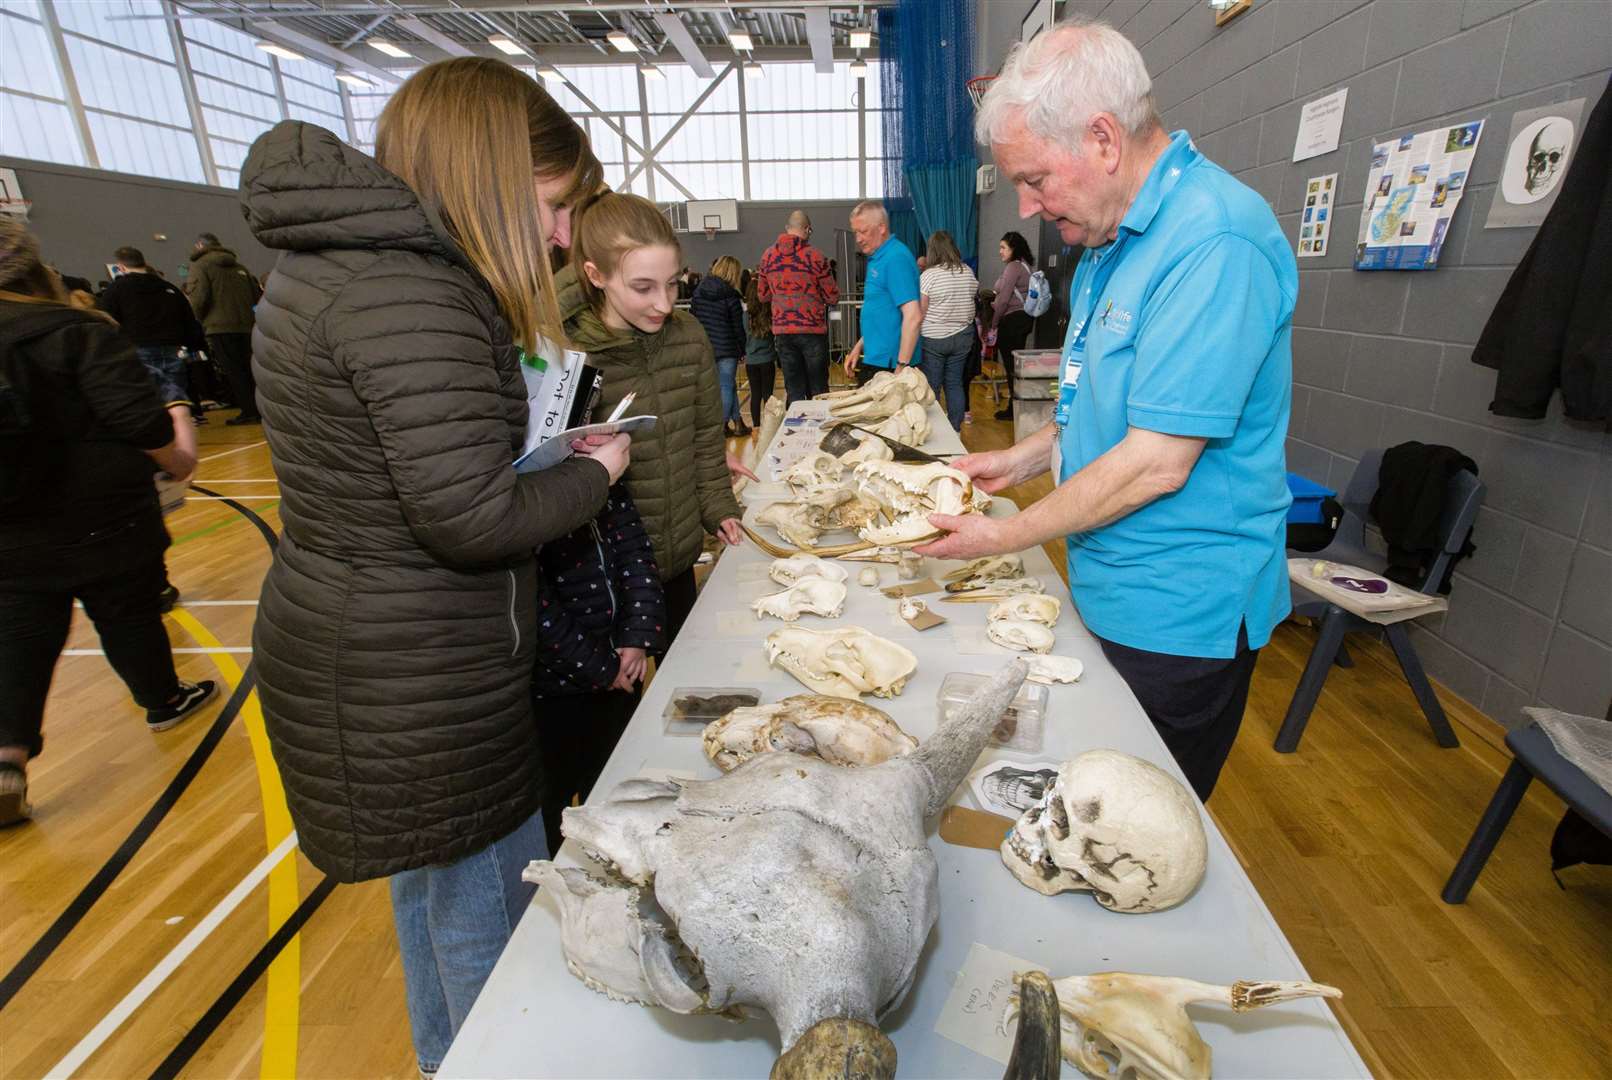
(929, 136)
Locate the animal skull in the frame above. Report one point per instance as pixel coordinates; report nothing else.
(1053, 669)
(881, 396)
(910, 493)
(1113, 825)
(1020, 634)
(840, 732)
(869, 449)
(989, 567)
(843, 662)
(1116, 1024)
(798, 523)
(733, 895)
(1029, 607)
(790, 571)
(818, 596)
(817, 471)
(908, 425)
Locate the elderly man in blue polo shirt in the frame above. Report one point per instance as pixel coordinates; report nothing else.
(1176, 384)
(891, 316)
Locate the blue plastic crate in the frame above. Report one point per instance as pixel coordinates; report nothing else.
(1307, 498)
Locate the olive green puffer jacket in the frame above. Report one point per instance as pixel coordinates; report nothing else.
(679, 474)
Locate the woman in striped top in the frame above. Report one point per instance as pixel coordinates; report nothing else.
(946, 299)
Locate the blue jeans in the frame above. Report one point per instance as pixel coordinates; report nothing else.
(727, 377)
(453, 922)
(162, 363)
(804, 360)
(944, 362)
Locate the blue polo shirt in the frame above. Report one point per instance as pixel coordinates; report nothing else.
(1187, 319)
(892, 280)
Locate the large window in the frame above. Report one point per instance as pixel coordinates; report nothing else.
(35, 119)
(236, 91)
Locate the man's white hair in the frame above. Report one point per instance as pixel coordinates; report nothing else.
(871, 210)
(1063, 78)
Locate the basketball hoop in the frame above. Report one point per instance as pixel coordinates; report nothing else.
(15, 208)
(977, 88)
(710, 233)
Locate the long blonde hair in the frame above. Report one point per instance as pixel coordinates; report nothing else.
(729, 270)
(470, 136)
(609, 226)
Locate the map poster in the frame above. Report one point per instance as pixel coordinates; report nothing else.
(1412, 189)
(1315, 221)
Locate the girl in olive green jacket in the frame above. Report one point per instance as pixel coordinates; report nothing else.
(624, 265)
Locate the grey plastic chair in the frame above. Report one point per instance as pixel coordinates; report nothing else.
(1349, 546)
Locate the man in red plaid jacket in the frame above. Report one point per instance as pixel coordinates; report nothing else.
(796, 279)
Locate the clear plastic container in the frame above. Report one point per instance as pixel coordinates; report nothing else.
(1032, 363)
(1021, 726)
(1034, 387)
(692, 707)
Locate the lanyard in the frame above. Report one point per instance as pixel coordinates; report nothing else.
(1074, 354)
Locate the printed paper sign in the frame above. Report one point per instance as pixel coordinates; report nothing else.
(1414, 185)
(1537, 157)
(1315, 220)
(1320, 124)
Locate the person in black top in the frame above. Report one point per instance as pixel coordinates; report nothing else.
(81, 435)
(154, 315)
(601, 613)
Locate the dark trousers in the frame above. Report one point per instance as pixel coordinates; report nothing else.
(119, 575)
(865, 372)
(804, 358)
(763, 378)
(681, 593)
(233, 353)
(579, 733)
(1196, 703)
(167, 371)
(1011, 335)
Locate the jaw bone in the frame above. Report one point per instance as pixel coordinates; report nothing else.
(1116, 1024)
(840, 732)
(788, 886)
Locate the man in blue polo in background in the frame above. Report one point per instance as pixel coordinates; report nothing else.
(890, 311)
(1167, 444)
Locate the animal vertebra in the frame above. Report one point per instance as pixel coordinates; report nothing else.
(1113, 825)
(840, 732)
(788, 885)
(1029, 607)
(1020, 634)
(814, 595)
(843, 662)
(1115, 1024)
(791, 570)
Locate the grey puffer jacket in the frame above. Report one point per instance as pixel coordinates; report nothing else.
(392, 645)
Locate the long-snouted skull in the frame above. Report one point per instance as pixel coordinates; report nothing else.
(793, 570)
(881, 396)
(845, 661)
(909, 494)
(1115, 826)
(812, 595)
(840, 732)
(1115, 1024)
(788, 886)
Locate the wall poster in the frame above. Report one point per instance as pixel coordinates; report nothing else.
(1315, 222)
(1414, 185)
(1537, 157)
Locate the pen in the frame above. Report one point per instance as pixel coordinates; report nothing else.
(615, 413)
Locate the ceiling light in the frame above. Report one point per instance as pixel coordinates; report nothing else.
(279, 50)
(389, 49)
(740, 40)
(753, 71)
(506, 45)
(859, 69)
(352, 78)
(622, 41)
(651, 72)
(861, 39)
(549, 73)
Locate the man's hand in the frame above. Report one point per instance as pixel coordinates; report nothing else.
(730, 532)
(853, 358)
(633, 664)
(737, 468)
(968, 536)
(991, 470)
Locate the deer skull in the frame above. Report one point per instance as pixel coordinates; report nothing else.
(840, 732)
(842, 662)
(1113, 825)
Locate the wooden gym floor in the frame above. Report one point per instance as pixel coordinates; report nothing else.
(174, 965)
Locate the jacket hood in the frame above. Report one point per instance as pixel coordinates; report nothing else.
(223, 256)
(568, 293)
(714, 288)
(303, 189)
(24, 322)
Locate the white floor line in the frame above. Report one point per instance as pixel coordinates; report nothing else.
(124, 1009)
(187, 651)
(237, 450)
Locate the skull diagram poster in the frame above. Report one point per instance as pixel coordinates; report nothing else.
(1412, 190)
(1536, 161)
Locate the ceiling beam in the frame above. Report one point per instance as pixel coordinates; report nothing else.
(820, 36)
(684, 43)
(429, 34)
(295, 39)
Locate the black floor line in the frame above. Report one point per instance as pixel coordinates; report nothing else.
(262, 526)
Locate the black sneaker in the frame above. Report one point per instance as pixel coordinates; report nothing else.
(170, 597)
(13, 794)
(1005, 414)
(243, 419)
(192, 696)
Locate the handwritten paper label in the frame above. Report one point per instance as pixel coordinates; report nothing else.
(974, 1013)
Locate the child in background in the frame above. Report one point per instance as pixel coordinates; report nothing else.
(717, 306)
(600, 614)
(760, 355)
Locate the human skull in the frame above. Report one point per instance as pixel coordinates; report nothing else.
(843, 662)
(1545, 156)
(813, 595)
(1113, 825)
(1030, 607)
(791, 570)
(839, 731)
(1116, 1024)
(909, 494)
(1020, 634)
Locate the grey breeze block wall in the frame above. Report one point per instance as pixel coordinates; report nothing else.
(1384, 357)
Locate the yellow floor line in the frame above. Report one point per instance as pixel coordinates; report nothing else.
(280, 1016)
